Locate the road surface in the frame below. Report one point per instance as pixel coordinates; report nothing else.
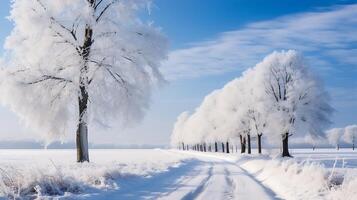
(205, 177)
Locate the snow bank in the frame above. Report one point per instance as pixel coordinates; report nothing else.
(21, 178)
(291, 179)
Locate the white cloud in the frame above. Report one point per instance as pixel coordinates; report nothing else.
(319, 35)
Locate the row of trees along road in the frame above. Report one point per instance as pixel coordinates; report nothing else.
(336, 135)
(72, 62)
(276, 99)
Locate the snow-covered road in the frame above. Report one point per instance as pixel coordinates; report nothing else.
(218, 180)
(171, 174)
(204, 177)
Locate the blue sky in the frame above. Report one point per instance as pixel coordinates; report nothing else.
(213, 41)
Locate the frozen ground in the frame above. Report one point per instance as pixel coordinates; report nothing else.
(171, 174)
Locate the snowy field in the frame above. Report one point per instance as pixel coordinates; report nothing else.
(343, 158)
(172, 174)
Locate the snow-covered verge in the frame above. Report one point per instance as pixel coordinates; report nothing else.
(29, 174)
(309, 176)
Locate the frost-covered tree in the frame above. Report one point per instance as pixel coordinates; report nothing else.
(255, 109)
(314, 140)
(334, 136)
(94, 59)
(350, 135)
(295, 100)
(177, 134)
(258, 124)
(245, 136)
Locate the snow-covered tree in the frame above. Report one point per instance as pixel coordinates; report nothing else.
(334, 136)
(228, 112)
(177, 134)
(295, 100)
(94, 59)
(350, 135)
(244, 134)
(258, 124)
(254, 106)
(314, 140)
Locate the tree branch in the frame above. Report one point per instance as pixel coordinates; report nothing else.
(105, 9)
(59, 93)
(48, 77)
(98, 4)
(72, 31)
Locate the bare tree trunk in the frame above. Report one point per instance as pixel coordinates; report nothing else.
(223, 147)
(82, 142)
(242, 144)
(215, 147)
(204, 147)
(353, 143)
(227, 147)
(249, 147)
(259, 143)
(285, 139)
(82, 128)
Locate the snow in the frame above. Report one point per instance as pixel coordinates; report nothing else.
(172, 174)
(57, 173)
(319, 174)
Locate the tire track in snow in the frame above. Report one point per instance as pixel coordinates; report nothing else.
(219, 186)
(190, 185)
(202, 178)
(247, 187)
(231, 183)
(193, 194)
